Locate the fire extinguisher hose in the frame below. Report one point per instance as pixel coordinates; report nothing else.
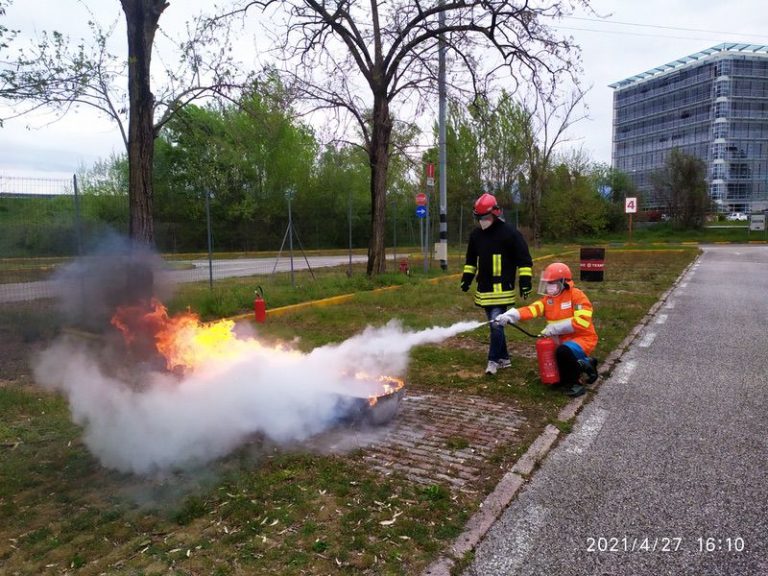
(524, 331)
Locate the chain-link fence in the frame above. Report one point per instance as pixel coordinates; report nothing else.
(47, 223)
(44, 218)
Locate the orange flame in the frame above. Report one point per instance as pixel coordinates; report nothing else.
(185, 343)
(386, 385)
(183, 340)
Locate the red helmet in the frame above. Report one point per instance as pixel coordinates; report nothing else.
(556, 271)
(485, 205)
(554, 279)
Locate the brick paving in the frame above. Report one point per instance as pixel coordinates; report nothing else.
(443, 438)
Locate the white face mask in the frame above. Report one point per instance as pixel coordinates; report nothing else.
(485, 222)
(553, 288)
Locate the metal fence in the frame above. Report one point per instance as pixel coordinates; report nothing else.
(47, 223)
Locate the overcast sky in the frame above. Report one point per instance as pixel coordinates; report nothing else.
(635, 37)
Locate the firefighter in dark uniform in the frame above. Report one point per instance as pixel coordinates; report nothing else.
(496, 253)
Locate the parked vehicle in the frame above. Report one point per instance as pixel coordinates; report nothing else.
(736, 217)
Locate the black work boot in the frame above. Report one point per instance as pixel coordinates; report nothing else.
(576, 390)
(589, 367)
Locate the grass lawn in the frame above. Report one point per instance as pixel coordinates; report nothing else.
(262, 509)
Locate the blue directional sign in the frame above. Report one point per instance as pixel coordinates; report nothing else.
(421, 211)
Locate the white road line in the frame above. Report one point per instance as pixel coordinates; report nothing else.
(647, 340)
(582, 438)
(661, 319)
(625, 371)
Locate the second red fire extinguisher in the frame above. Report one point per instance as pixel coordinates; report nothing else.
(259, 306)
(545, 355)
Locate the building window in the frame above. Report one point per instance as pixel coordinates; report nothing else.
(722, 88)
(721, 109)
(720, 130)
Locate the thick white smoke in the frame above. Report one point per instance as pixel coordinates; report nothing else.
(168, 422)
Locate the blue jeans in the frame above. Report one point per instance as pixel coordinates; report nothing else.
(498, 347)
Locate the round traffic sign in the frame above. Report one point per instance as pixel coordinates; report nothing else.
(421, 199)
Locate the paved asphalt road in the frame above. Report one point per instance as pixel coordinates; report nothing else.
(24, 291)
(666, 470)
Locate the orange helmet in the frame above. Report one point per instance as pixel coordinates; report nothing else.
(485, 205)
(556, 271)
(554, 279)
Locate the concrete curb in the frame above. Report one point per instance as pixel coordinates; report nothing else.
(497, 501)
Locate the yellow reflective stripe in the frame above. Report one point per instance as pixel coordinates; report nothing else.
(525, 271)
(469, 269)
(497, 287)
(537, 308)
(497, 264)
(491, 298)
(582, 317)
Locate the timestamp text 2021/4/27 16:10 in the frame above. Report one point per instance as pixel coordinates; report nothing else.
(665, 544)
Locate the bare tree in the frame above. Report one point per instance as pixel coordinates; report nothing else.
(56, 75)
(363, 58)
(548, 121)
(5, 34)
(142, 17)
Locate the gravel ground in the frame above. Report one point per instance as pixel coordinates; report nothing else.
(665, 472)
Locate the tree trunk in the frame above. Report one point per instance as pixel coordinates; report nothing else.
(142, 18)
(534, 202)
(378, 155)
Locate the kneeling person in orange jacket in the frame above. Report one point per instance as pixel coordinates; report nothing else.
(569, 320)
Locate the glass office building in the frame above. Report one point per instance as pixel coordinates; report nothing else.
(713, 105)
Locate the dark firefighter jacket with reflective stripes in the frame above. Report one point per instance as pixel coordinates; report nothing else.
(494, 256)
(570, 303)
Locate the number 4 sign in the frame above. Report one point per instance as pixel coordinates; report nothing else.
(630, 205)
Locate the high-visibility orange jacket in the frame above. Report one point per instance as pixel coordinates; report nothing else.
(571, 304)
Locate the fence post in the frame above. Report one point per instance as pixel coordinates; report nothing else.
(78, 236)
(210, 237)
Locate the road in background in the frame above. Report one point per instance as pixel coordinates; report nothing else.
(197, 272)
(666, 470)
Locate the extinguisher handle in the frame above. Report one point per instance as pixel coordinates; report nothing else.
(259, 292)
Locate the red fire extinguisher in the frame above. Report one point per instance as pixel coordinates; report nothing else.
(259, 306)
(545, 355)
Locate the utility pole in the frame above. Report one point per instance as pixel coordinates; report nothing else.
(442, 185)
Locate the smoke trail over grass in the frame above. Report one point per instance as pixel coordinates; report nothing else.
(140, 420)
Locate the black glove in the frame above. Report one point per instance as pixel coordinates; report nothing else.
(525, 287)
(466, 281)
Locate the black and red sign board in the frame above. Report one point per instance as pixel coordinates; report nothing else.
(592, 264)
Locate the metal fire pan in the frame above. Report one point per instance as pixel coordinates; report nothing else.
(360, 411)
